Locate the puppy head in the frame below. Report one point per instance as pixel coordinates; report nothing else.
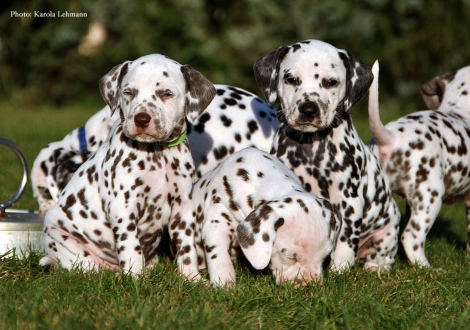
(449, 89)
(293, 235)
(433, 91)
(314, 81)
(153, 95)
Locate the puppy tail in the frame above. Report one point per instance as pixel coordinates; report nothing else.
(381, 135)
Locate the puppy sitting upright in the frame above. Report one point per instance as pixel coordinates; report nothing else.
(426, 155)
(317, 84)
(113, 211)
(252, 201)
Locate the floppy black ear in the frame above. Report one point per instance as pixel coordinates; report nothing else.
(257, 233)
(199, 92)
(110, 85)
(359, 77)
(433, 91)
(267, 72)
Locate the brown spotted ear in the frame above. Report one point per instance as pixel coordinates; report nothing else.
(257, 233)
(199, 92)
(110, 85)
(359, 77)
(433, 91)
(266, 71)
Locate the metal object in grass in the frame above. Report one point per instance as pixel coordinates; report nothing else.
(19, 229)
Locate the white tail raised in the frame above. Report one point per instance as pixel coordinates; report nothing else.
(381, 135)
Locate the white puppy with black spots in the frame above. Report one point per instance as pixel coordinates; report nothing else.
(253, 202)
(235, 119)
(317, 84)
(426, 155)
(113, 211)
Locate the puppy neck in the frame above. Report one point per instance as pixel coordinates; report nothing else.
(341, 118)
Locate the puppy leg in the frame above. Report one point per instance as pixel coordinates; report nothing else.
(345, 257)
(65, 246)
(217, 235)
(71, 253)
(379, 253)
(348, 239)
(67, 252)
(181, 228)
(424, 208)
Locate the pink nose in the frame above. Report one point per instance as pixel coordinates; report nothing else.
(142, 119)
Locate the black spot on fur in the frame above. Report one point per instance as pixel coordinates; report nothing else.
(241, 172)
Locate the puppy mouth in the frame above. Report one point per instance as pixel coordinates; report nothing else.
(143, 137)
(309, 116)
(151, 136)
(308, 125)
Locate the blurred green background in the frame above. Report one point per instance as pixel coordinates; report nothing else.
(60, 60)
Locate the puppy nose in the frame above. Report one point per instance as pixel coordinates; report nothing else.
(309, 109)
(142, 119)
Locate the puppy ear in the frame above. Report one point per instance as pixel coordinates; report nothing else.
(257, 233)
(359, 77)
(199, 92)
(433, 91)
(67, 163)
(110, 85)
(266, 71)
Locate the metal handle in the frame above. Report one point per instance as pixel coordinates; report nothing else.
(16, 197)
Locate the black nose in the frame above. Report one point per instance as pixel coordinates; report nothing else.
(142, 119)
(309, 109)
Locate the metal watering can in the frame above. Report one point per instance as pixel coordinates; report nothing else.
(19, 229)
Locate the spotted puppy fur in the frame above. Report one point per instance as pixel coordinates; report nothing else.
(253, 202)
(234, 120)
(113, 211)
(57, 162)
(426, 156)
(317, 84)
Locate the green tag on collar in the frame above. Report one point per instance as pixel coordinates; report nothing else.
(174, 143)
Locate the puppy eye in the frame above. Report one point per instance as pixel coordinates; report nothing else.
(329, 83)
(288, 255)
(128, 93)
(166, 94)
(290, 80)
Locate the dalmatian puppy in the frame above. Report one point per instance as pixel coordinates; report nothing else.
(317, 84)
(55, 164)
(253, 202)
(425, 155)
(114, 209)
(234, 120)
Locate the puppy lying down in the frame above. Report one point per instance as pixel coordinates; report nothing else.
(252, 202)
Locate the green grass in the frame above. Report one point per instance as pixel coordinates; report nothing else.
(406, 298)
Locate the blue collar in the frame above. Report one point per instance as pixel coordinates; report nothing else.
(82, 140)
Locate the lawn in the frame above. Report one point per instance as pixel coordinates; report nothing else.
(405, 298)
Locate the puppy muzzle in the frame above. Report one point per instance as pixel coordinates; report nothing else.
(309, 110)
